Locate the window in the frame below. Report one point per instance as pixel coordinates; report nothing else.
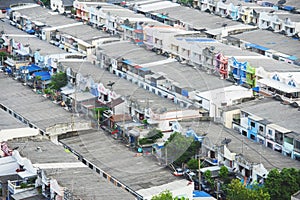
(270, 132)
(288, 140)
(297, 144)
(252, 124)
(270, 145)
(105, 97)
(90, 166)
(244, 133)
(261, 128)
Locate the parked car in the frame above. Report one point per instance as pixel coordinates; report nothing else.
(178, 172)
(181, 172)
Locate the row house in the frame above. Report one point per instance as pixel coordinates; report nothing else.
(270, 53)
(284, 86)
(107, 96)
(247, 170)
(14, 164)
(62, 6)
(114, 20)
(227, 10)
(156, 83)
(241, 72)
(26, 24)
(257, 126)
(82, 10)
(215, 100)
(185, 49)
(279, 23)
(262, 14)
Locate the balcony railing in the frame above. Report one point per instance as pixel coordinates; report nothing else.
(19, 186)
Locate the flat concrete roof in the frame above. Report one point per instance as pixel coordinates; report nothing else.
(186, 76)
(82, 181)
(288, 3)
(9, 122)
(33, 41)
(189, 77)
(121, 87)
(6, 4)
(253, 152)
(35, 108)
(137, 172)
(128, 51)
(83, 32)
(46, 16)
(197, 19)
(121, 12)
(269, 64)
(271, 40)
(288, 117)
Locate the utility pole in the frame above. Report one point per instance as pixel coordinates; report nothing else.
(166, 151)
(199, 167)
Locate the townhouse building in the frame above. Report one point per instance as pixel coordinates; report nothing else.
(250, 161)
(51, 174)
(62, 6)
(255, 121)
(275, 46)
(139, 104)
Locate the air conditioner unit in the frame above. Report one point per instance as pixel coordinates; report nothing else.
(107, 113)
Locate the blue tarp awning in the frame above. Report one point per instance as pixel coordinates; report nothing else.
(197, 39)
(293, 58)
(162, 16)
(288, 8)
(197, 193)
(128, 62)
(33, 68)
(45, 76)
(255, 89)
(255, 46)
(127, 27)
(184, 93)
(31, 31)
(144, 69)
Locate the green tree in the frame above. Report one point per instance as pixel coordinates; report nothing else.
(167, 195)
(45, 2)
(151, 137)
(193, 163)
(3, 56)
(37, 81)
(98, 113)
(58, 80)
(181, 149)
(208, 177)
(237, 191)
(223, 174)
(281, 185)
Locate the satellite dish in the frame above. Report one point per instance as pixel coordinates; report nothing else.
(281, 2)
(226, 141)
(110, 84)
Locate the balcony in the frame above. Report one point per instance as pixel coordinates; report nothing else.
(20, 186)
(212, 161)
